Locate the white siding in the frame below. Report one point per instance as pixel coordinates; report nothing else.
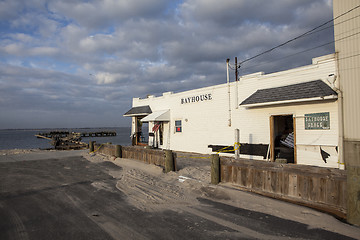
(347, 44)
(206, 122)
(311, 155)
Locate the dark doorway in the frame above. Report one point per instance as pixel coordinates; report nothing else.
(141, 135)
(282, 138)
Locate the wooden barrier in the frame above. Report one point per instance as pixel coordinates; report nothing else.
(150, 156)
(91, 146)
(316, 187)
(105, 148)
(215, 168)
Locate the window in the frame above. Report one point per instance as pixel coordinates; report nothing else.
(178, 126)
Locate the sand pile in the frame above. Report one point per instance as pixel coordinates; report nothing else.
(148, 188)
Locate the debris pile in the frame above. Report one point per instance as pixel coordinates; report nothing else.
(64, 140)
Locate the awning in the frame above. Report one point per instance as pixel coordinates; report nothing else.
(138, 111)
(302, 92)
(158, 116)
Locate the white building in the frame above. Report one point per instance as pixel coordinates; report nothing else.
(347, 46)
(268, 110)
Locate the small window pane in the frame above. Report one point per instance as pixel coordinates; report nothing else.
(178, 126)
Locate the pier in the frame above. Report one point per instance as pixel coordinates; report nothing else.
(66, 140)
(62, 134)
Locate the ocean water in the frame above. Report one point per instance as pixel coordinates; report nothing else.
(25, 138)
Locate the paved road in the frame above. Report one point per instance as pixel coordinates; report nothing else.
(65, 196)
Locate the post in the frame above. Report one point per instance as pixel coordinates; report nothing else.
(118, 151)
(91, 146)
(237, 143)
(236, 85)
(228, 83)
(236, 70)
(215, 168)
(169, 161)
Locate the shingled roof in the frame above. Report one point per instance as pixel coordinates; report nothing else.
(314, 90)
(138, 111)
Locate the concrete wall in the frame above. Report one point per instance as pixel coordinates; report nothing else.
(207, 122)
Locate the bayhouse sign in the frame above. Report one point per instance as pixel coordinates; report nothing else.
(317, 121)
(197, 98)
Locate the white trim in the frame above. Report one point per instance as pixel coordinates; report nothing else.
(136, 114)
(158, 116)
(331, 97)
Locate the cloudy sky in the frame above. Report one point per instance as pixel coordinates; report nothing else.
(79, 63)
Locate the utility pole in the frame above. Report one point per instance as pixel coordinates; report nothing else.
(228, 85)
(236, 70)
(236, 85)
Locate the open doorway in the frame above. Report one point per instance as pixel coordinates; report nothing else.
(157, 135)
(282, 138)
(141, 135)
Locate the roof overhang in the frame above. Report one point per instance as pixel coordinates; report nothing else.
(296, 93)
(304, 100)
(138, 111)
(158, 116)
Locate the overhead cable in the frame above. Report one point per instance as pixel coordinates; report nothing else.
(300, 36)
(306, 50)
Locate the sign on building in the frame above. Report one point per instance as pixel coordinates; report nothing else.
(317, 121)
(198, 98)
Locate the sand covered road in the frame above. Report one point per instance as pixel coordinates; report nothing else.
(75, 195)
(147, 188)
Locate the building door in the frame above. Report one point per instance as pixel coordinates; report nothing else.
(282, 138)
(140, 136)
(158, 134)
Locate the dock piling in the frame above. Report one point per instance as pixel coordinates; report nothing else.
(91, 146)
(215, 169)
(118, 151)
(169, 161)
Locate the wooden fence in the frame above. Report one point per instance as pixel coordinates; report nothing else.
(105, 148)
(150, 156)
(316, 187)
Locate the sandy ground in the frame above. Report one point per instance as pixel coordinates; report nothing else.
(20, 151)
(149, 189)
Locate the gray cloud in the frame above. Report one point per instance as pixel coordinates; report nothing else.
(80, 63)
(99, 14)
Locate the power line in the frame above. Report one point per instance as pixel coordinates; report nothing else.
(306, 50)
(280, 59)
(300, 36)
(288, 56)
(355, 55)
(309, 73)
(332, 25)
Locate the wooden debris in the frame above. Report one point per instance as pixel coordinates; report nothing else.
(65, 140)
